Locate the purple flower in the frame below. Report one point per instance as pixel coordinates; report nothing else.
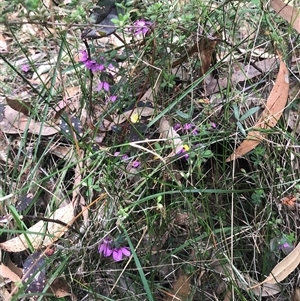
(213, 125)
(187, 126)
(25, 68)
(119, 252)
(177, 126)
(93, 66)
(125, 157)
(112, 98)
(83, 56)
(285, 246)
(183, 151)
(136, 164)
(116, 154)
(103, 86)
(195, 131)
(106, 248)
(141, 27)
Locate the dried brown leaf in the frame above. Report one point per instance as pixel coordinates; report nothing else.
(16, 122)
(14, 268)
(287, 12)
(167, 132)
(181, 289)
(274, 108)
(241, 73)
(296, 294)
(20, 103)
(151, 93)
(60, 288)
(36, 233)
(5, 294)
(6, 272)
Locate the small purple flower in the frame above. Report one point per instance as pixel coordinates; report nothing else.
(106, 248)
(93, 66)
(141, 27)
(285, 245)
(119, 252)
(83, 56)
(136, 164)
(25, 68)
(103, 86)
(183, 152)
(195, 131)
(125, 157)
(213, 125)
(112, 98)
(111, 66)
(116, 154)
(177, 126)
(187, 126)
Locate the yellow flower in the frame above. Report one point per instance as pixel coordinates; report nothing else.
(186, 147)
(134, 117)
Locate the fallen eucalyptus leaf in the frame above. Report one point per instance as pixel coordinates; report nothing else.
(37, 233)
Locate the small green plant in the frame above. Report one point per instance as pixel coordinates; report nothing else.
(257, 197)
(240, 119)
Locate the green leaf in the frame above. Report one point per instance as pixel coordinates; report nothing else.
(249, 113)
(240, 126)
(236, 112)
(183, 115)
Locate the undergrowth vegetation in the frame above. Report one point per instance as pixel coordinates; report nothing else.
(121, 176)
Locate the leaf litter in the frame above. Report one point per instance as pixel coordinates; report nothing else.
(42, 234)
(164, 126)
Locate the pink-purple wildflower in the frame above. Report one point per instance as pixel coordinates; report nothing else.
(177, 126)
(25, 68)
(107, 248)
(136, 164)
(103, 86)
(112, 98)
(187, 126)
(141, 27)
(90, 64)
(93, 66)
(195, 131)
(184, 151)
(83, 56)
(125, 157)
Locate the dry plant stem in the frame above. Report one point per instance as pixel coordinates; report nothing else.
(45, 219)
(55, 45)
(90, 95)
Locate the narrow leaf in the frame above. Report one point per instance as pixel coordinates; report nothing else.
(249, 113)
